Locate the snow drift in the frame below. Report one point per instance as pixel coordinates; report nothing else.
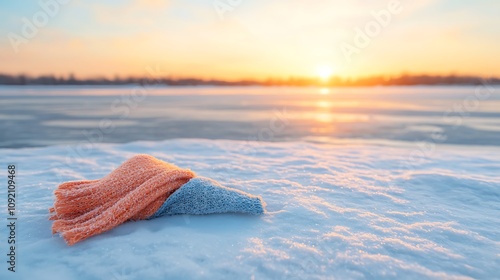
(334, 211)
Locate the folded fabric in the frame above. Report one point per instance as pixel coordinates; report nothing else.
(143, 187)
(205, 196)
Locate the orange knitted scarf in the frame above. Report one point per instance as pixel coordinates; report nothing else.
(133, 191)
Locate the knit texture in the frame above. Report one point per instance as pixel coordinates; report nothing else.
(143, 187)
(205, 196)
(133, 191)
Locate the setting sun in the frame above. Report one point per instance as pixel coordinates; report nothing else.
(324, 72)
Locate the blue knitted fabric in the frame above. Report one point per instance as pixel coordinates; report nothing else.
(205, 196)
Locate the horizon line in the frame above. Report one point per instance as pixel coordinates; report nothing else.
(374, 80)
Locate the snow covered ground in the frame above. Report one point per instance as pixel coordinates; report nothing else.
(343, 211)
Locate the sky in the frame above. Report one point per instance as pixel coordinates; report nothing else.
(250, 39)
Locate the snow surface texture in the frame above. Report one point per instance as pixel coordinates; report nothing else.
(334, 211)
(202, 196)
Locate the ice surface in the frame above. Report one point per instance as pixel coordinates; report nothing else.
(36, 116)
(345, 211)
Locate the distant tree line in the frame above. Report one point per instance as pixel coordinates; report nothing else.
(6, 79)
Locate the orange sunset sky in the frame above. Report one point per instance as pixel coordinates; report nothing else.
(253, 39)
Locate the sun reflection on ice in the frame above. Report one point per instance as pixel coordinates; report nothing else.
(324, 91)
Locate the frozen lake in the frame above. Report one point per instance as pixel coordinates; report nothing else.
(45, 115)
(360, 183)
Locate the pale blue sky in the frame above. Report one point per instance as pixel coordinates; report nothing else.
(256, 38)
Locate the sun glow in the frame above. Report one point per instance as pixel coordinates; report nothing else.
(324, 72)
